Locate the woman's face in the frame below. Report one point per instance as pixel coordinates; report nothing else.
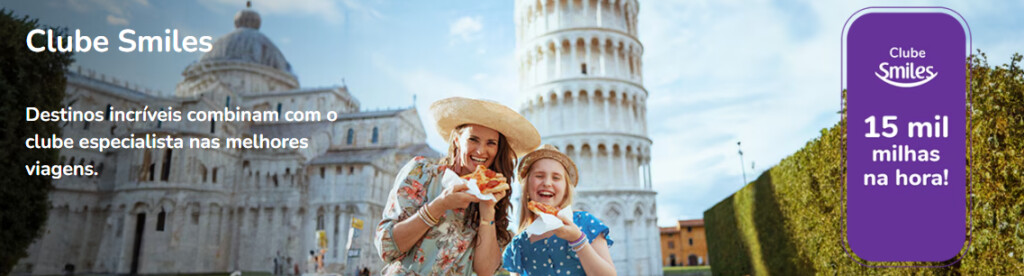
(547, 182)
(478, 145)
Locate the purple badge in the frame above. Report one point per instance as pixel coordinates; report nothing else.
(906, 165)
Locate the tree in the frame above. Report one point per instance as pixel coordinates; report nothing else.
(26, 79)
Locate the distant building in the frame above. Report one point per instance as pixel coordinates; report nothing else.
(684, 244)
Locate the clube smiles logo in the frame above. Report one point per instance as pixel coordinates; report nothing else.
(910, 73)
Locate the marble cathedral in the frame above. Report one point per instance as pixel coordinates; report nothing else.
(193, 211)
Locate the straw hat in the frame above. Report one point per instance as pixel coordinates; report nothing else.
(456, 111)
(550, 152)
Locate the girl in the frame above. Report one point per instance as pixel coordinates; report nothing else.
(428, 229)
(580, 247)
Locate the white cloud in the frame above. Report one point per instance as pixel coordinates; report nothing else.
(328, 10)
(466, 28)
(117, 11)
(116, 21)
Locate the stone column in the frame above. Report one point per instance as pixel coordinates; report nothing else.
(202, 254)
(83, 250)
(631, 124)
(607, 116)
(342, 254)
(558, 61)
(589, 56)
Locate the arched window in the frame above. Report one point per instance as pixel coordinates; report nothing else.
(165, 172)
(161, 220)
(202, 171)
(374, 139)
(351, 136)
(214, 175)
(320, 220)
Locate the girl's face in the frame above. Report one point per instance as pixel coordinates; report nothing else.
(547, 182)
(478, 145)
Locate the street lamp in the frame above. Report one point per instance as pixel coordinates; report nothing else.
(742, 168)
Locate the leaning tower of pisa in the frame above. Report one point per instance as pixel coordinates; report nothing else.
(582, 87)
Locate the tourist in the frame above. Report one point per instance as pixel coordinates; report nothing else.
(579, 246)
(430, 229)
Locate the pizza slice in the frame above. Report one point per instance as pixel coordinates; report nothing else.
(487, 180)
(542, 208)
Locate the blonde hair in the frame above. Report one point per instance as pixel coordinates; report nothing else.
(526, 217)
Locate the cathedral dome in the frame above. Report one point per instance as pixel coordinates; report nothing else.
(247, 44)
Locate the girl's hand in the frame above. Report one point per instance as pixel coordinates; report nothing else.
(568, 232)
(455, 197)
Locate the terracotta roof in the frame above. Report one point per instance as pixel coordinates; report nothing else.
(669, 230)
(691, 222)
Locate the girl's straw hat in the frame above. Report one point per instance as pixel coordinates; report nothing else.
(549, 151)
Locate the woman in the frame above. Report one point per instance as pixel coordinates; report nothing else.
(429, 229)
(580, 246)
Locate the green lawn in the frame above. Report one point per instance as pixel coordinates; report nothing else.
(687, 270)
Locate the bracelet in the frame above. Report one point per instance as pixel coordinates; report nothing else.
(577, 249)
(491, 222)
(427, 217)
(433, 218)
(578, 241)
(426, 222)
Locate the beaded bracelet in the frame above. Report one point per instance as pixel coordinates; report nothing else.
(578, 241)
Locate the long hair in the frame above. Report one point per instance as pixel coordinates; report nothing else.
(526, 217)
(504, 163)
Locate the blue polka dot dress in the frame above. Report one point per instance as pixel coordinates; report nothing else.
(551, 256)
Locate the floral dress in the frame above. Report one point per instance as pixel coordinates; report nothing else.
(445, 249)
(552, 255)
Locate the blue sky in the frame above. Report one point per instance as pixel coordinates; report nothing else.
(762, 72)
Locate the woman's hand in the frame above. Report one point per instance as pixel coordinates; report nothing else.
(455, 197)
(569, 232)
(497, 197)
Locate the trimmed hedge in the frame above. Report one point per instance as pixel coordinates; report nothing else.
(791, 220)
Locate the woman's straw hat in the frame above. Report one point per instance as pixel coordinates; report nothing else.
(549, 151)
(456, 111)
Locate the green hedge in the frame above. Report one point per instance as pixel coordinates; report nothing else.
(791, 220)
(26, 79)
